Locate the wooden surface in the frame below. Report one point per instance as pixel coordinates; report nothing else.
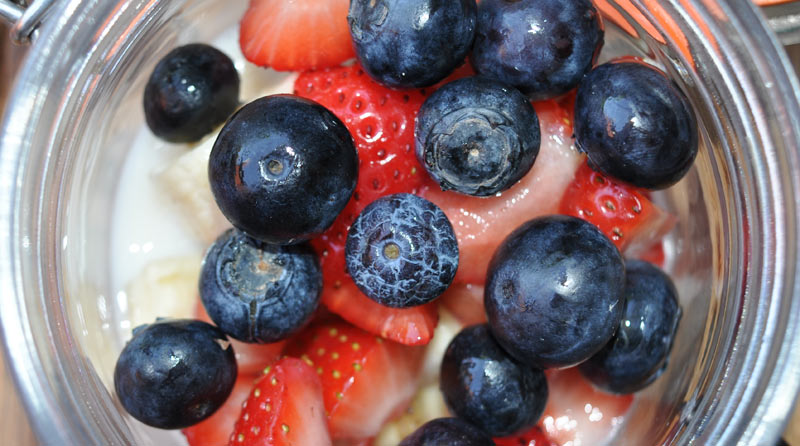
(14, 427)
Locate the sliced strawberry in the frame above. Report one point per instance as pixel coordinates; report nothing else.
(285, 408)
(579, 415)
(382, 124)
(216, 430)
(251, 359)
(365, 380)
(296, 35)
(465, 302)
(534, 437)
(622, 212)
(482, 223)
(409, 326)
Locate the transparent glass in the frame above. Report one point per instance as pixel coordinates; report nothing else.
(732, 378)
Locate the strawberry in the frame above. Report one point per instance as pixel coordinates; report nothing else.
(577, 414)
(622, 212)
(465, 302)
(533, 437)
(295, 35)
(284, 409)
(482, 223)
(365, 380)
(382, 124)
(216, 429)
(250, 358)
(409, 326)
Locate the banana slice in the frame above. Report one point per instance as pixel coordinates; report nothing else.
(165, 288)
(428, 404)
(185, 181)
(448, 328)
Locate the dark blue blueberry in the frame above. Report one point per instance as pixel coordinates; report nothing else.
(192, 90)
(447, 432)
(282, 169)
(257, 292)
(555, 291)
(635, 125)
(482, 384)
(411, 43)
(402, 251)
(477, 136)
(638, 352)
(542, 47)
(175, 373)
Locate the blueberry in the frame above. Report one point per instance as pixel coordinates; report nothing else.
(635, 125)
(175, 373)
(282, 169)
(447, 432)
(482, 384)
(542, 47)
(554, 291)
(257, 292)
(477, 136)
(638, 352)
(402, 251)
(411, 43)
(192, 90)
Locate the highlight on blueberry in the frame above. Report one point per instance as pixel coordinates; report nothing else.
(449, 432)
(485, 386)
(638, 352)
(635, 125)
(402, 251)
(477, 136)
(192, 90)
(282, 169)
(542, 47)
(555, 291)
(411, 43)
(256, 292)
(175, 373)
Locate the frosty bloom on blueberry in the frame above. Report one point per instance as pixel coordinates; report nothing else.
(477, 136)
(402, 251)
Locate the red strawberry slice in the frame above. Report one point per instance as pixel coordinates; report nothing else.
(295, 35)
(284, 409)
(579, 415)
(382, 124)
(409, 326)
(251, 359)
(622, 212)
(365, 380)
(465, 302)
(482, 223)
(534, 437)
(216, 430)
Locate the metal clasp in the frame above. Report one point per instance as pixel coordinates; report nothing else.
(25, 17)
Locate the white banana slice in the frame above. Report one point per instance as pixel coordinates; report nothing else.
(164, 288)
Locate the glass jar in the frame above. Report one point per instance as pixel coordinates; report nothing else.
(732, 377)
